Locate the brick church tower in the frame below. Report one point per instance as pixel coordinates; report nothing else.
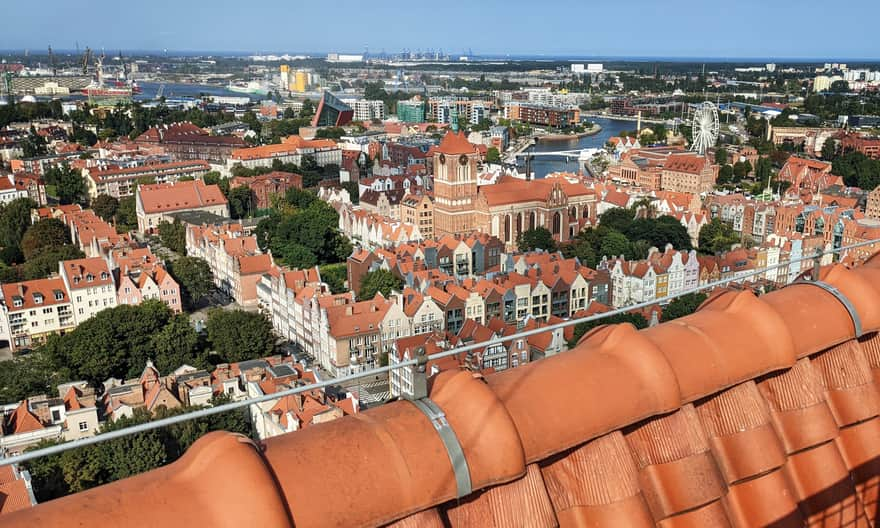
(455, 185)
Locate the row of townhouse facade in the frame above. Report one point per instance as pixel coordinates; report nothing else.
(346, 335)
(116, 271)
(32, 310)
(671, 272)
(233, 256)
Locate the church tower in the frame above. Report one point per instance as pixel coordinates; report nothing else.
(455, 185)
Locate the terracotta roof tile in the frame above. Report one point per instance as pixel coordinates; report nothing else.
(750, 412)
(164, 197)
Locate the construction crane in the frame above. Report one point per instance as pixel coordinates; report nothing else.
(52, 62)
(87, 58)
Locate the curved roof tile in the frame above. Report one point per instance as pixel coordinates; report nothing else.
(708, 420)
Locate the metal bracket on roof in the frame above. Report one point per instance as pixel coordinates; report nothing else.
(853, 313)
(450, 441)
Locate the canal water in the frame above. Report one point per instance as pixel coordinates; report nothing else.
(542, 166)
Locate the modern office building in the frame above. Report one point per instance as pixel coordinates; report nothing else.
(332, 112)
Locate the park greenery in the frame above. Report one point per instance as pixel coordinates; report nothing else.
(31, 251)
(379, 281)
(173, 236)
(717, 237)
(117, 342)
(194, 277)
(621, 232)
(303, 232)
(857, 170)
(538, 238)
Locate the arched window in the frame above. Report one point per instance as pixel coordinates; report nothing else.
(507, 228)
(557, 223)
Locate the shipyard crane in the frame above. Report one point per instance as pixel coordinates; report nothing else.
(87, 57)
(52, 62)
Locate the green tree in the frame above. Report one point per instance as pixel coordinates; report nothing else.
(721, 156)
(335, 275)
(378, 281)
(69, 184)
(28, 375)
(236, 335)
(114, 342)
(241, 202)
(297, 256)
(635, 319)
(840, 87)
(829, 149)
(763, 169)
(194, 277)
(717, 236)
(725, 175)
(15, 218)
(614, 244)
(308, 108)
(741, 169)
(618, 219)
(46, 234)
(126, 215)
(46, 262)
(173, 236)
(492, 155)
(353, 191)
(538, 238)
(105, 206)
(683, 305)
(300, 198)
(176, 344)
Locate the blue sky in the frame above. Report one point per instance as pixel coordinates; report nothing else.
(644, 28)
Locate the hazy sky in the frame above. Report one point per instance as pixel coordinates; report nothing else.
(649, 28)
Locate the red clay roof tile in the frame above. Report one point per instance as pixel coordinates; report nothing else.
(708, 420)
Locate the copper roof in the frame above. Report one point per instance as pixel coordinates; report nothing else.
(750, 412)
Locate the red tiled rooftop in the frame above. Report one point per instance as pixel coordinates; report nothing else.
(162, 197)
(750, 412)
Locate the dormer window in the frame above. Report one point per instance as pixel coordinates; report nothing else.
(17, 301)
(90, 278)
(38, 298)
(103, 275)
(76, 280)
(59, 295)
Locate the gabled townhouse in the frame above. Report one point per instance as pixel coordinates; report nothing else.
(90, 284)
(353, 336)
(69, 416)
(141, 276)
(30, 311)
(424, 315)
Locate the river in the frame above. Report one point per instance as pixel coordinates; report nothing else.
(185, 90)
(542, 166)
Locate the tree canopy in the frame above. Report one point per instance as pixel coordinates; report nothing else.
(538, 238)
(305, 236)
(242, 202)
(236, 335)
(15, 218)
(194, 277)
(105, 206)
(173, 236)
(114, 342)
(46, 234)
(85, 467)
(683, 305)
(378, 281)
(716, 237)
(69, 184)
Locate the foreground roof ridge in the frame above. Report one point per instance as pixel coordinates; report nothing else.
(749, 412)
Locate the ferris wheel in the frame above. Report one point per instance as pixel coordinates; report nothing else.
(704, 127)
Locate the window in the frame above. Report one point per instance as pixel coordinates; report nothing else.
(83, 426)
(230, 390)
(59, 296)
(56, 415)
(17, 302)
(80, 311)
